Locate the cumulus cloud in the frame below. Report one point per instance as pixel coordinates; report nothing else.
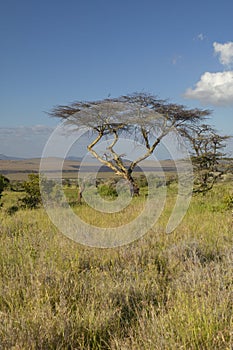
(225, 52)
(213, 88)
(216, 88)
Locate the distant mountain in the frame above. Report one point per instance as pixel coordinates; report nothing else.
(3, 157)
(73, 158)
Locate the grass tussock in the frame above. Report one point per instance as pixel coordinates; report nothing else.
(161, 292)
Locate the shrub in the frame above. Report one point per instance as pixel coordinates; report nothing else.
(32, 199)
(142, 181)
(4, 182)
(107, 191)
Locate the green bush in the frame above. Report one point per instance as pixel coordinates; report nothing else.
(32, 199)
(4, 182)
(142, 181)
(107, 191)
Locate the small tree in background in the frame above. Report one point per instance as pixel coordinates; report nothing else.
(142, 117)
(207, 155)
(32, 187)
(32, 199)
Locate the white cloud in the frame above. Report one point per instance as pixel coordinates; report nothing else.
(225, 52)
(213, 88)
(200, 37)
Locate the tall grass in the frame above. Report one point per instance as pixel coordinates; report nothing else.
(161, 292)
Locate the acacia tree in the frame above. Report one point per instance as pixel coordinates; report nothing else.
(207, 155)
(141, 116)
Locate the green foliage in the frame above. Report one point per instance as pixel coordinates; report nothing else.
(142, 181)
(32, 199)
(50, 189)
(107, 191)
(17, 186)
(4, 183)
(66, 182)
(32, 187)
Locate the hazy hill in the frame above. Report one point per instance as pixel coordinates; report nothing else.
(4, 157)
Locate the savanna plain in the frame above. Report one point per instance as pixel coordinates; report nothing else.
(163, 291)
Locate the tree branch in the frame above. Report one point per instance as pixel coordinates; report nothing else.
(145, 137)
(116, 156)
(150, 150)
(98, 157)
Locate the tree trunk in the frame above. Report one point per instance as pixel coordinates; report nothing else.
(134, 189)
(80, 194)
(80, 197)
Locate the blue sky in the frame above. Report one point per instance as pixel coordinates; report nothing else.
(55, 52)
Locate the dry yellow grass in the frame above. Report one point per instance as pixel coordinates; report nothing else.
(161, 292)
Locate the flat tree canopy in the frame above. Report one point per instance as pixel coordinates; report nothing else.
(141, 116)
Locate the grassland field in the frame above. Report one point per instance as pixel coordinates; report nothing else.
(163, 291)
